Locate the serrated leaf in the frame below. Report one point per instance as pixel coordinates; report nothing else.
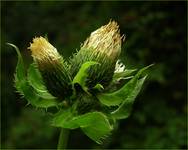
(124, 109)
(117, 97)
(94, 124)
(34, 99)
(35, 80)
(64, 119)
(20, 77)
(99, 129)
(25, 89)
(82, 74)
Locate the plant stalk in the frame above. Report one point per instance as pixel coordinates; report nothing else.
(63, 139)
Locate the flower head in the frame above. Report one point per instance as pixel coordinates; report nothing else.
(105, 40)
(42, 50)
(104, 47)
(52, 67)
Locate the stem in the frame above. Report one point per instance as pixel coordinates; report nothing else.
(63, 139)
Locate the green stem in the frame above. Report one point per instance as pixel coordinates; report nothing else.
(63, 139)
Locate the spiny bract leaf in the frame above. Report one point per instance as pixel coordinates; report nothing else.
(124, 109)
(35, 80)
(82, 74)
(19, 73)
(117, 97)
(94, 124)
(34, 99)
(25, 89)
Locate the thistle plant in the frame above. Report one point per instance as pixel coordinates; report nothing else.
(84, 90)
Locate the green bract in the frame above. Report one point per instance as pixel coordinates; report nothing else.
(83, 90)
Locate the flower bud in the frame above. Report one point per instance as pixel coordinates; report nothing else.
(104, 47)
(52, 67)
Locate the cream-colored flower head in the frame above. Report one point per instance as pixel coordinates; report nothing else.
(51, 66)
(106, 39)
(42, 50)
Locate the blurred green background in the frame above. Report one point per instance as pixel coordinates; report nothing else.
(156, 32)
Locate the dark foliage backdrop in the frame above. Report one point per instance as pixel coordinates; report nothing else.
(156, 32)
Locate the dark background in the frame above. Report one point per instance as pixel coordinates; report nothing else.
(156, 32)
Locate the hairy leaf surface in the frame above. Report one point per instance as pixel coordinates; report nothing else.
(23, 87)
(117, 97)
(94, 124)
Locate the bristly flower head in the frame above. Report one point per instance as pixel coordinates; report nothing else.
(106, 39)
(52, 67)
(103, 46)
(42, 50)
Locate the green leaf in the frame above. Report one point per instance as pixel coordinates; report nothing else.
(117, 97)
(124, 109)
(34, 98)
(99, 127)
(35, 80)
(82, 74)
(20, 76)
(25, 89)
(64, 119)
(94, 124)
